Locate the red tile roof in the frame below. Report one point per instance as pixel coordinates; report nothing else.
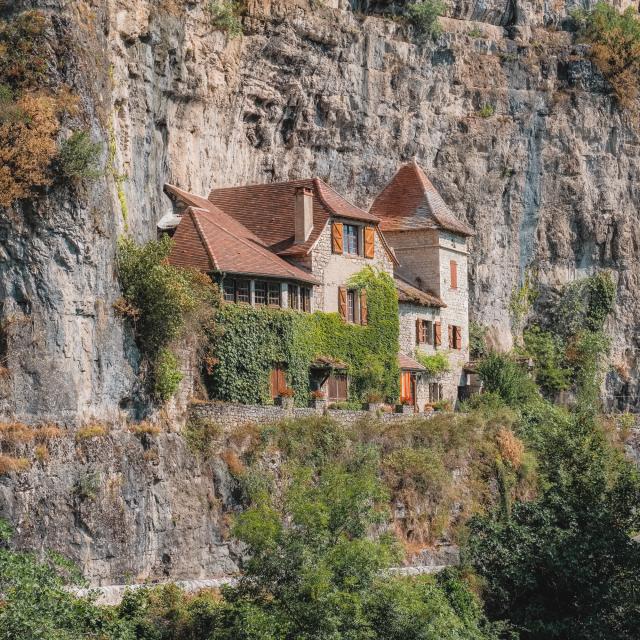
(268, 210)
(410, 201)
(210, 240)
(410, 293)
(409, 364)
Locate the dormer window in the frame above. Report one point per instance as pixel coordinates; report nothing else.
(351, 239)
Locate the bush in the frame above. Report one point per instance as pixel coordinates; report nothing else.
(547, 352)
(225, 15)
(615, 39)
(165, 303)
(505, 377)
(424, 17)
(435, 364)
(79, 157)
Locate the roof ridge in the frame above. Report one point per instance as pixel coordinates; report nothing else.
(321, 184)
(203, 237)
(265, 250)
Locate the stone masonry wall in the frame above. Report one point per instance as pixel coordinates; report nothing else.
(335, 270)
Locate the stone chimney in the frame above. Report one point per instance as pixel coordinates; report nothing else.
(304, 214)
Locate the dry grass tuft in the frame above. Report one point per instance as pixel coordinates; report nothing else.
(145, 427)
(14, 433)
(92, 430)
(47, 432)
(510, 447)
(9, 464)
(42, 453)
(233, 462)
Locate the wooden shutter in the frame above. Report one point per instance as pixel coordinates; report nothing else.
(453, 268)
(342, 302)
(364, 312)
(457, 337)
(418, 332)
(437, 334)
(369, 244)
(450, 328)
(336, 237)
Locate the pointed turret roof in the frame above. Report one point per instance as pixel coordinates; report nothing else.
(410, 201)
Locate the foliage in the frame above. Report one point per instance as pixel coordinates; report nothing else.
(167, 375)
(615, 39)
(502, 375)
(79, 157)
(165, 303)
(201, 435)
(225, 15)
(434, 364)
(522, 298)
(477, 341)
(283, 336)
(36, 603)
(486, 111)
(31, 107)
(564, 565)
(547, 352)
(424, 17)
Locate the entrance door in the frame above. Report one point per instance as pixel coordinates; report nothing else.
(407, 388)
(277, 380)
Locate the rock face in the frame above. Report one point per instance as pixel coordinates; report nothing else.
(549, 178)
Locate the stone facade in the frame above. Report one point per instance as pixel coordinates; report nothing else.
(334, 270)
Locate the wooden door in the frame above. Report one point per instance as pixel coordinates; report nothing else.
(277, 380)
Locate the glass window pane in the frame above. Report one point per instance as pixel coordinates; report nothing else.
(294, 302)
(351, 306)
(274, 294)
(229, 291)
(260, 292)
(350, 239)
(242, 291)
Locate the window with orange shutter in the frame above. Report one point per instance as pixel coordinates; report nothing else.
(369, 243)
(336, 237)
(453, 268)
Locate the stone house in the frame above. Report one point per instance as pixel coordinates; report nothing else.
(430, 244)
(296, 245)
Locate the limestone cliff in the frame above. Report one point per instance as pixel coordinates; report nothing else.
(549, 178)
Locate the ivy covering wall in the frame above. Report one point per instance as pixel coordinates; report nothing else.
(253, 339)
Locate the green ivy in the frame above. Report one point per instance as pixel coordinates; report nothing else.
(254, 339)
(434, 364)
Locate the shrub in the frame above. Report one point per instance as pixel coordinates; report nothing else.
(201, 435)
(547, 352)
(502, 375)
(225, 15)
(434, 364)
(486, 111)
(165, 303)
(79, 157)
(167, 375)
(615, 40)
(145, 428)
(94, 430)
(424, 17)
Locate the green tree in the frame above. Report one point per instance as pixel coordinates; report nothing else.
(502, 375)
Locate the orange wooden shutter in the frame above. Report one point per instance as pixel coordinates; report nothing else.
(364, 312)
(437, 334)
(342, 302)
(336, 237)
(457, 337)
(369, 243)
(453, 267)
(418, 332)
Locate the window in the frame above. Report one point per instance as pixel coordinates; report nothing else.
(236, 291)
(306, 299)
(294, 296)
(273, 294)
(229, 287)
(424, 331)
(453, 273)
(435, 392)
(457, 337)
(350, 239)
(242, 292)
(260, 292)
(351, 306)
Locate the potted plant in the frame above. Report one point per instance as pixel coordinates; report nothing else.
(285, 398)
(319, 400)
(374, 401)
(406, 406)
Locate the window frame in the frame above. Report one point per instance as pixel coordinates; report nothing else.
(351, 313)
(260, 291)
(305, 299)
(350, 235)
(271, 288)
(247, 283)
(294, 296)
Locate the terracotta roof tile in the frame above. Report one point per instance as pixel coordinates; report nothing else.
(210, 240)
(409, 364)
(410, 201)
(268, 210)
(409, 293)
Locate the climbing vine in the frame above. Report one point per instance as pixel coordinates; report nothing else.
(253, 340)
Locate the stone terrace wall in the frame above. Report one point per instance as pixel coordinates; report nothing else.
(228, 414)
